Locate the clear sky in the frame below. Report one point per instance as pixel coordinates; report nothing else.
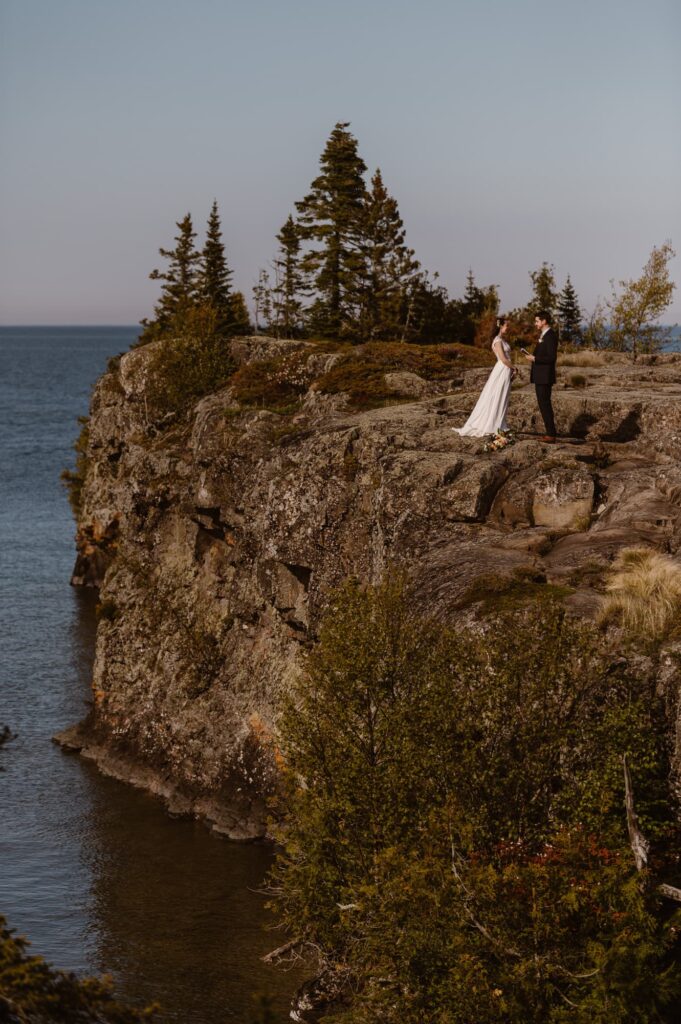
(509, 131)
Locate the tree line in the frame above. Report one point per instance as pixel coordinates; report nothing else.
(343, 270)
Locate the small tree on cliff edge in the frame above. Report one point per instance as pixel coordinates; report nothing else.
(569, 314)
(545, 296)
(180, 290)
(215, 275)
(331, 217)
(634, 312)
(289, 281)
(390, 267)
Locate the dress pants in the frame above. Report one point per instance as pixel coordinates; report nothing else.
(546, 409)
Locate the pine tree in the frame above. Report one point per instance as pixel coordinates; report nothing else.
(569, 314)
(390, 267)
(215, 275)
(480, 306)
(331, 215)
(180, 291)
(545, 296)
(289, 281)
(240, 321)
(262, 301)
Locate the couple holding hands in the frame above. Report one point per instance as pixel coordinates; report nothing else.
(489, 414)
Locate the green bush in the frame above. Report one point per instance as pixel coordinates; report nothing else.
(72, 479)
(32, 992)
(195, 361)
(455, 842)
(361, 372)
(276, 384)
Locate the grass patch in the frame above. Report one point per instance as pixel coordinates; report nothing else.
(508, 593)
(587, 357)
(360, 373)
(275, 384)
(644, 593)
(577, 380)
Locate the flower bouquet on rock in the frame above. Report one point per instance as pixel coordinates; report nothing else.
(502, 439)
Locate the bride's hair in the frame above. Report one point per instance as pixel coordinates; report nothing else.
(498, 324)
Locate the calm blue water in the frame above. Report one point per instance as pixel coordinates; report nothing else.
(94, 872)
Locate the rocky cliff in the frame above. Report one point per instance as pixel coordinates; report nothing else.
(215, 541)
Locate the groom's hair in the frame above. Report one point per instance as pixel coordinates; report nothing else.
(544, 314)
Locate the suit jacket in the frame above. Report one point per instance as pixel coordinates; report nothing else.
(544, 366)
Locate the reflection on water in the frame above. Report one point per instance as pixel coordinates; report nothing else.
(94, 872)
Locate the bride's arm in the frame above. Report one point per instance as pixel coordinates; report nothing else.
(498, 350)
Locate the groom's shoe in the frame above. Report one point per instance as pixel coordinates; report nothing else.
(548, 439)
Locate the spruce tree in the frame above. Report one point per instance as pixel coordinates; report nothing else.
(289, 281)
(545, 296)
(331, 217)
(569, 314)
(215, 274)
(390, 267)
(180, 291)
(262, 301)
(240, 321)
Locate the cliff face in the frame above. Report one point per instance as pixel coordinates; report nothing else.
(215, 544)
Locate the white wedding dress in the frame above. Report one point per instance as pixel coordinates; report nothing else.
(489, 414)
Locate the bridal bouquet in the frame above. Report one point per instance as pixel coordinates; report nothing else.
(502, 439)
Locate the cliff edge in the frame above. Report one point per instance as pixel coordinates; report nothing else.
(215, 540)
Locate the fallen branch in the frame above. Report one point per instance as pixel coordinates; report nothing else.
(280, 951)
(639, 844)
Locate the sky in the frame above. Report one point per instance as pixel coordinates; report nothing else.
(511, 132)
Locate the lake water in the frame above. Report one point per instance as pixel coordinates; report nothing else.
(95, 873)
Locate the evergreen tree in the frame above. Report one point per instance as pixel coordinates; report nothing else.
(180, 291)
(331, 217)
(215, 274)
(390, 267)
(240, 321)
(289, 281)
(569, 314)
(262, 301)
(480, 306)
(544, 294)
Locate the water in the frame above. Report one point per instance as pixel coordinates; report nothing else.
(95, 873)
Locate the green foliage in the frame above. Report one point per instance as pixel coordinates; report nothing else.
(569, 315)
(456, 840)
(180, 290)
(287, 291)
(390, 268)
(215, 275)
(240, 321)
(276, 384)
(635, 311)
(544, 293)
(361, 372)
(331, 217)
(193, 362)
(32, 992)
(74, 479)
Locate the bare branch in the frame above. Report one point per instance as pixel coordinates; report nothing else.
(639, 844)
(280, 951)
(670, 891)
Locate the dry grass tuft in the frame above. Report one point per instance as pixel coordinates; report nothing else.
(644, 593)
(586, 358)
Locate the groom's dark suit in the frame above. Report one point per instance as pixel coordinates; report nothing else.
(543, 376)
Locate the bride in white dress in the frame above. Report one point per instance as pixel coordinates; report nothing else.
(489, 414)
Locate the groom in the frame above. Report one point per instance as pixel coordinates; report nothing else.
(543, 372)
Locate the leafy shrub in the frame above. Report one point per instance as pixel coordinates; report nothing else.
(644, 593)
(72, 479)
(361, 372)
(32, 991)
(276, 384)
(194, 362)
(456, 844)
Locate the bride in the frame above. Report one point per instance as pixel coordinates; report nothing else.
(489, 414)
